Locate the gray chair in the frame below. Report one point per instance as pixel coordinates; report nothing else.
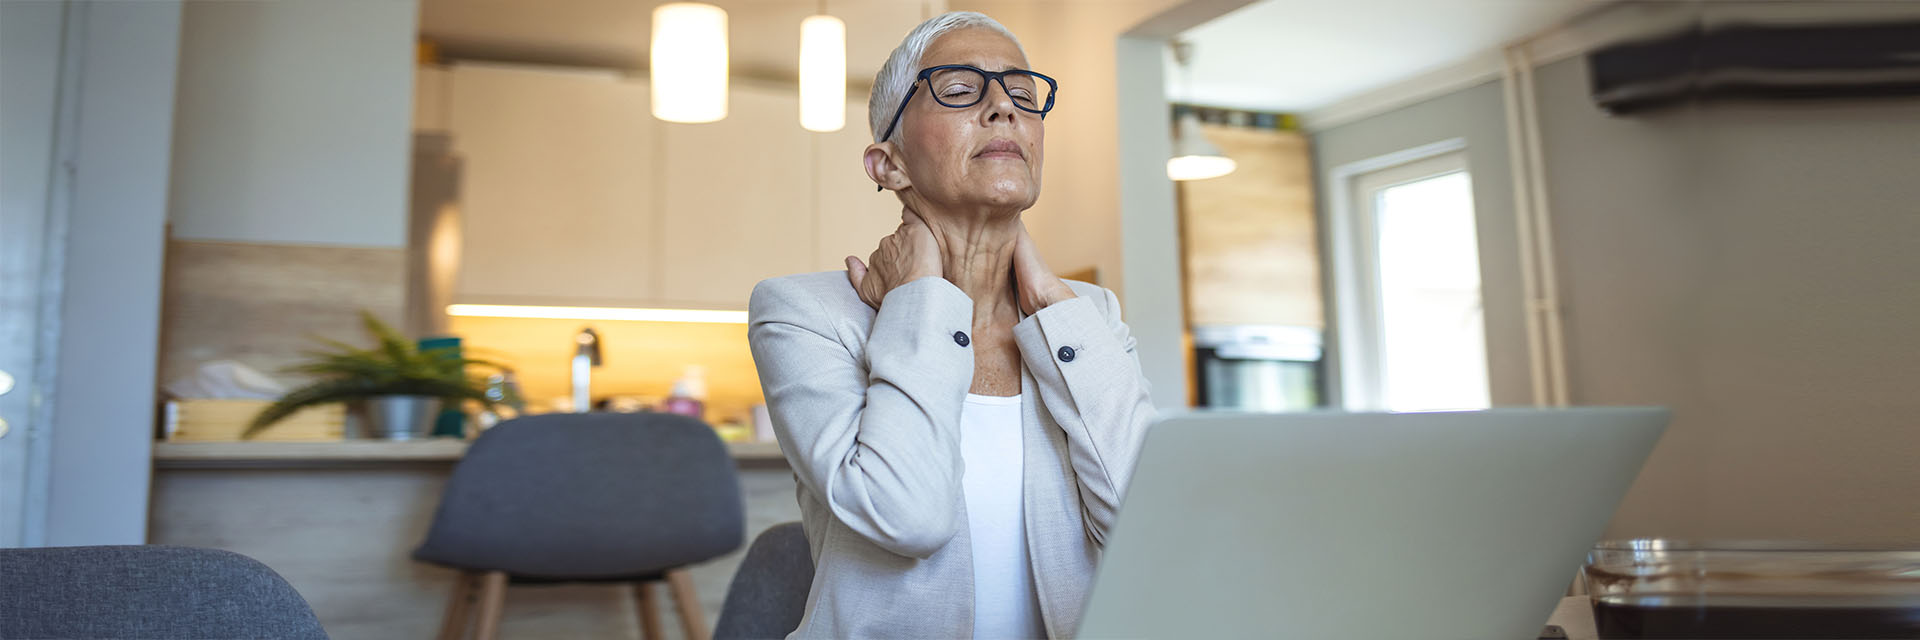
(156, 592)
(768, 596)
(585, 497)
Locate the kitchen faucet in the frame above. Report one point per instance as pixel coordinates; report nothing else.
(586, 356)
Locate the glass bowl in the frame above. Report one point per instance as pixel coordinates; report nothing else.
(1656, 588)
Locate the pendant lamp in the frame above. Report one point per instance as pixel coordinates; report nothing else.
(1194, 158)
(823, 73)
(688, 62)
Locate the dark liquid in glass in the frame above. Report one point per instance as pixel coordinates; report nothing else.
(1754, 618)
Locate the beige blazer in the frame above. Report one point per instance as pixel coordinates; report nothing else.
(867, 408)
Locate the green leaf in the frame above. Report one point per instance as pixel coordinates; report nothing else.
(396, 346)
(396, 366)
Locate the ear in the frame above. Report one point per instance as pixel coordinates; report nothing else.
(884, 166)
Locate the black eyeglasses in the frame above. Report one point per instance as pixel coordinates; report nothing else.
(960, 86)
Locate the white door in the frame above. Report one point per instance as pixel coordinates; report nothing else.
(1415, 340)
(30, 34)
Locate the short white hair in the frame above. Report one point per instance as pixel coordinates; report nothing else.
(902, 69)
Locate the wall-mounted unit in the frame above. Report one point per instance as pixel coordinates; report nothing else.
(1758, 61)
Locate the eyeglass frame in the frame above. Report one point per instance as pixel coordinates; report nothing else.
(1053, 91)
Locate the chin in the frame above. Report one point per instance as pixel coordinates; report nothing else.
(1010, 193)
(1020, 201)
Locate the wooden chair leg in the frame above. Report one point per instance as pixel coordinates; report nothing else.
(493, 595)
(459, 607)
(648, 602)
(688, 603)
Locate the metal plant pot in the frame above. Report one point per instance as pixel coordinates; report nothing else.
(398, 417)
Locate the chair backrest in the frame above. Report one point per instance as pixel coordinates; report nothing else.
(768, 596)
(589, 495)
(146, 592)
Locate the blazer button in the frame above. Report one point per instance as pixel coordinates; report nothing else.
(1066, 354)
(960, 338)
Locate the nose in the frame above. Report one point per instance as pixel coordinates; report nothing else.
(998, 104)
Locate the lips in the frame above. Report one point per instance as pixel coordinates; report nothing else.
(1002, 146)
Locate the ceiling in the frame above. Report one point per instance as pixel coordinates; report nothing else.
(1273, 55)
(763, 35)
(1293, 56)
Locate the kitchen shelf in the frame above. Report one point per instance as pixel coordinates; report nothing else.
(269, 455)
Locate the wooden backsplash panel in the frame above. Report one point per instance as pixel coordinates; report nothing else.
(260, 304)
(1249, 239)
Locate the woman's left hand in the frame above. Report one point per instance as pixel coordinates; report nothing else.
(1038, 286)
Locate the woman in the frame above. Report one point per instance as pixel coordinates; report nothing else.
(962, 422)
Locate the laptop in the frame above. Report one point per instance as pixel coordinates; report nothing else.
(1355, 525)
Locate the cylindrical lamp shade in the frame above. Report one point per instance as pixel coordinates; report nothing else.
(688, 61)
(823, 74)
(1194, 158)
(1199, 167)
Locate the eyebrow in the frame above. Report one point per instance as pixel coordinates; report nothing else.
(976, 64)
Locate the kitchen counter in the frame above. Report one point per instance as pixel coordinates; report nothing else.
(339, 520)
(344, 453)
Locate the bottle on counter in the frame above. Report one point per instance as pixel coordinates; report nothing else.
(504, 390)
(689, 397)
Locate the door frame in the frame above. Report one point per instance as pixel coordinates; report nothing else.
(1354, 346)
(28, 445)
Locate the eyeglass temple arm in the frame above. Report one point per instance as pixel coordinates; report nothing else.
(911, 89)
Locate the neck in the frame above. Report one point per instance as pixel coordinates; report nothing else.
(976, 251)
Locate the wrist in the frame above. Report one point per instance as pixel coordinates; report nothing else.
(1064, 292)
(1052, 291)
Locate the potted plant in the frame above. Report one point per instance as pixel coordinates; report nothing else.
(395, 388)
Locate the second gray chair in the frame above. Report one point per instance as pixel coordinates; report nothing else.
(768, 598)
(585, 497)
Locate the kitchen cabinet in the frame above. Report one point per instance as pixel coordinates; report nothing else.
(852, 216)
(558, 189)
(737, 199)
(573, 194)
(1249, 237)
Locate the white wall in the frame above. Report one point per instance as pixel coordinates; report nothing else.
(103, 402)
(295, 122)
(1150, 224)
(1751, 265)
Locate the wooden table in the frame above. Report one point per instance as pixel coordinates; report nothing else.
(1575, 615)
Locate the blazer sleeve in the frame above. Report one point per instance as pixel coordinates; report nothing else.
(879, 443)
(1083, 361)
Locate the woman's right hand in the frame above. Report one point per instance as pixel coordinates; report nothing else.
(909, 254)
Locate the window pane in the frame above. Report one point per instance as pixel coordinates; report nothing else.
(1434, 352)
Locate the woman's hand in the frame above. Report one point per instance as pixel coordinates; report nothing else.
(1037, 284)
(909, 254)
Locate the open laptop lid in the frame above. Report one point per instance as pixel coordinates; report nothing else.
(1339, 525)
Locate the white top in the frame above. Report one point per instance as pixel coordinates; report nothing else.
(1005, 604)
